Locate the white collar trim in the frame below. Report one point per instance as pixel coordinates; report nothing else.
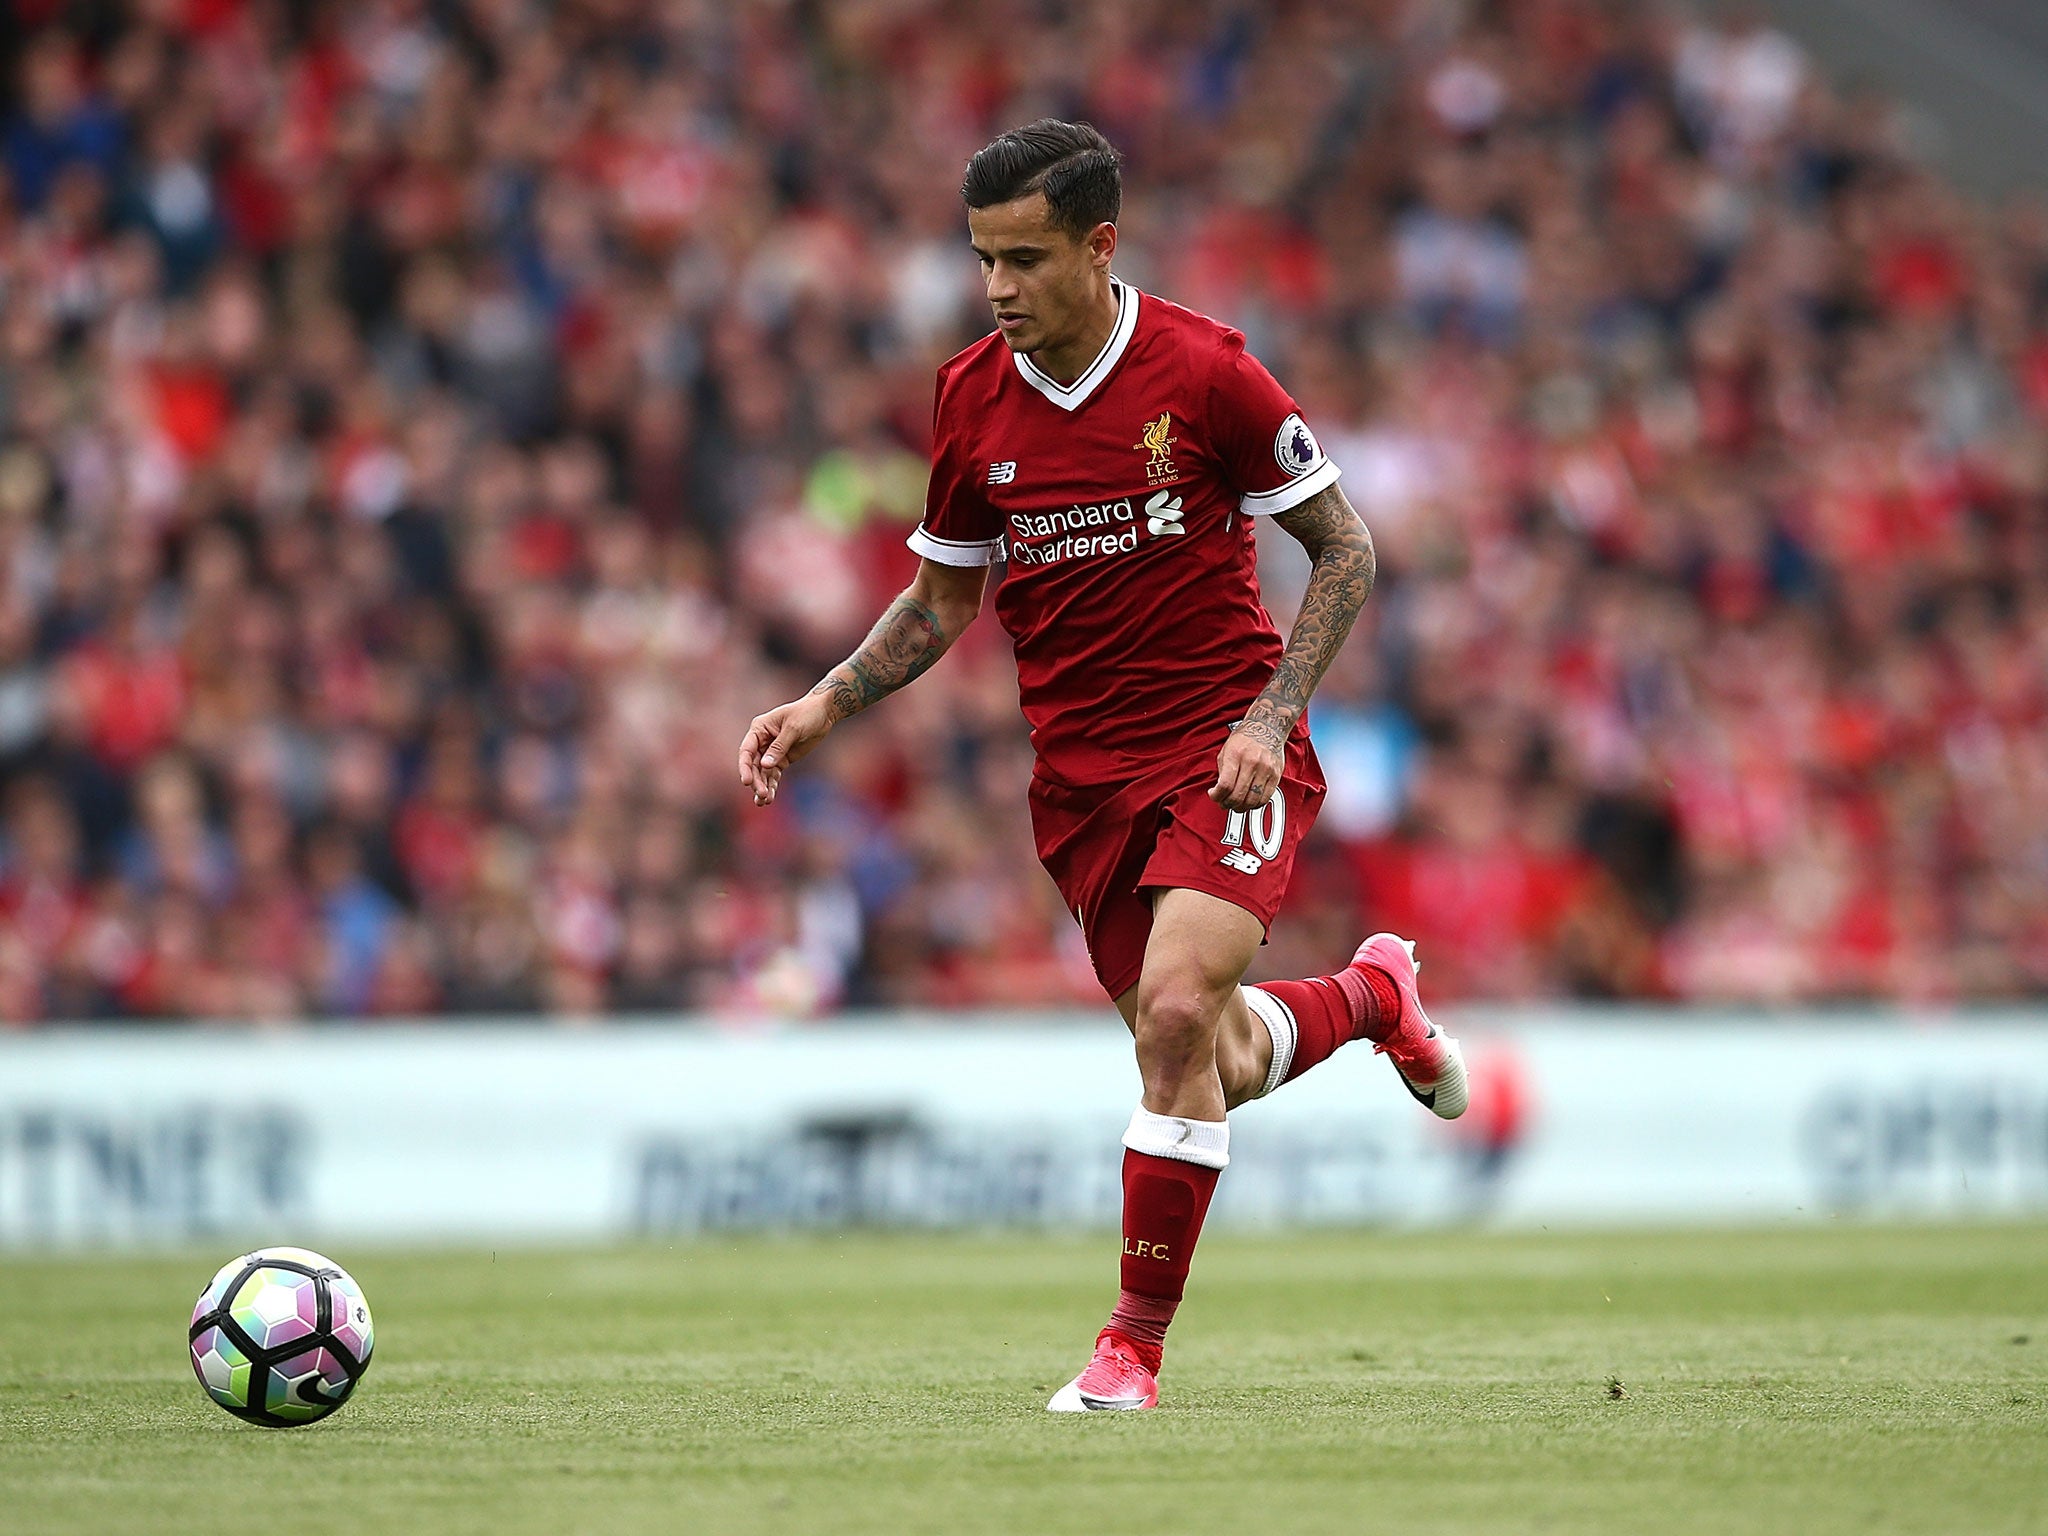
(1070, 397)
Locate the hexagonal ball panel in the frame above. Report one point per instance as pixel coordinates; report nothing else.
(277, 1306)
(221, 1368)
(351, 1321)
(307, 1387)
(216, 1290)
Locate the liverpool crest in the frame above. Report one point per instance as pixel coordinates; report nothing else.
(1157, 442)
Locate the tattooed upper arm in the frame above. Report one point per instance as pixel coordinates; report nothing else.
(1326, 520)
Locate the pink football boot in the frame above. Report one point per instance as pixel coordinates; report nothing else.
(1116, 1379)
(1429, 1061)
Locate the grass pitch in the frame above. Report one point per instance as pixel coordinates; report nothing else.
(1806, 1380)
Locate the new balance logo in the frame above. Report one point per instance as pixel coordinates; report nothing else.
(1002, 474)
(1243, 860)
(1163, 513)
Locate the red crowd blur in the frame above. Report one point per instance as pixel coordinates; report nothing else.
(430, 428)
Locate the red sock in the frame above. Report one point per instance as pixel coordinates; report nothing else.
(1358, 1003)
(1164, 1203)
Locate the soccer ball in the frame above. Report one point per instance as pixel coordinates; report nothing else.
(280, 1337)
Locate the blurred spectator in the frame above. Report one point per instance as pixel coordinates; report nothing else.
(429, 428)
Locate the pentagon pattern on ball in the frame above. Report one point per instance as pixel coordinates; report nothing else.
(277, 1306)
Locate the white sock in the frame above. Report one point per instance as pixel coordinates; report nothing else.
(1206, 1142)
(1279, 1021)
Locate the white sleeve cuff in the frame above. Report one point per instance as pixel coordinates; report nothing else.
(1286, 497)
(953, 551)
(1206, 1142)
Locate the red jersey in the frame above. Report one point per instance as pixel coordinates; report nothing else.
(1122, 504)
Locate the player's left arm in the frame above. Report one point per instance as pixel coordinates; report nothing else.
(1340, 579)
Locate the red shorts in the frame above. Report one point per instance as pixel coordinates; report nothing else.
(1109, 846)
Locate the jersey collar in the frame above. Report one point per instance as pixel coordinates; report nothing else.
(1070, 397)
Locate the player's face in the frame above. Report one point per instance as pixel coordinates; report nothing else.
(1041, 281)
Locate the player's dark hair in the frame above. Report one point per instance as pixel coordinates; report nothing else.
(1073, 165)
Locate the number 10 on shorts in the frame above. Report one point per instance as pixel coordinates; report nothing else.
(1267, 825)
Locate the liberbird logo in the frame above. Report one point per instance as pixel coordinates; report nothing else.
(1162, 514)
(1156, 441)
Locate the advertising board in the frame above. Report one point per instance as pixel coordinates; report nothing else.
(517, 1131)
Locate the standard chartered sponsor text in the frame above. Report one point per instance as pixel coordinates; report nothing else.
(1061, 535)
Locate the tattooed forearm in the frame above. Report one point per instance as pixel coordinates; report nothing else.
(1340, 551)
(900, 648)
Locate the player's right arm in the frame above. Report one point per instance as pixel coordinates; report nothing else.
(914, 632)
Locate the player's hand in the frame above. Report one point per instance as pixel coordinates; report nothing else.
(777, 739)
(1247, 769)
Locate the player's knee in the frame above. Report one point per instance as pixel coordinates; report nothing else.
(1176, 1023)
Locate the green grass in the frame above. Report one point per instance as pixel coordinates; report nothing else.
(1808, 1380)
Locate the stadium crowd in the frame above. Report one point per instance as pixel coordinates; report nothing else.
(430, 428)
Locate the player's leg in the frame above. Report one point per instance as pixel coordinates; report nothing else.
(1178, 1141)
(1244, 1044)
(1373, 998)
(1189, 1013)
(1272, 1033)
